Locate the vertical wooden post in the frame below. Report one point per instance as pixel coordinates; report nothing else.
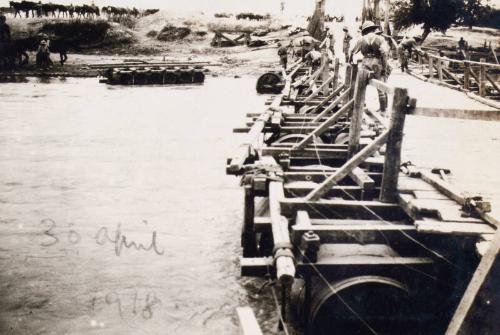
(387, 28)
(248, 240)
(357, 112)
(388, 192)
(439, 65)
(326, 70)
(482, 78)
(431, 67)
(336, 73)
(352, 82)
(466, 76)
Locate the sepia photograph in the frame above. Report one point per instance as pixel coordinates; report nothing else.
(250, 167)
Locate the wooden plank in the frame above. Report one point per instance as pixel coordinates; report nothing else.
(340, 208)
(325, 125)
(361, 178)
(453, 228)
(248, 322)
(354, 233)
(320, 176)
(380, 85)
(302, 188)
(348, 167)
(256, 267)
(475, 285)
(466, 114)
(306, 153)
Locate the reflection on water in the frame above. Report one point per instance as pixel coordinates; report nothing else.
(117, 215)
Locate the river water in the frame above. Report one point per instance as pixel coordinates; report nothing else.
(87, 169)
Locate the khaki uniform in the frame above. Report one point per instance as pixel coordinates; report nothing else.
(283, 54)
(375, 51)
(346, 45)
(330, 43)
(405, 49)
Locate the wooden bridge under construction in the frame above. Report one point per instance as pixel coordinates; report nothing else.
(351, 235)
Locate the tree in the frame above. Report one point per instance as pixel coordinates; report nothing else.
(436, 15)
(474, 12)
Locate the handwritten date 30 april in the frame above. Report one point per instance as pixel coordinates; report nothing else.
(55, 234)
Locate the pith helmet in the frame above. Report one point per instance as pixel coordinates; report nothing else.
(368, 25)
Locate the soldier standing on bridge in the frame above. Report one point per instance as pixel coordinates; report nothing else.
(346, 43)
(375, 52)
(405, 50)
(330, 41)
(283, 54)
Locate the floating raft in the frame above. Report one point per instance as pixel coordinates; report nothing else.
(154, 75)
(357, 238)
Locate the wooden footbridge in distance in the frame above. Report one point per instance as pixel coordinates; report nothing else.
(355, 237)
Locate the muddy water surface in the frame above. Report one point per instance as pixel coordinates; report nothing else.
(116, 216)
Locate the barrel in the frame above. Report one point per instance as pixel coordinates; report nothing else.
(141, 76)
(125, 77)
(357, 305)
(170, 77)
(156, 76)
(185, 76)
(198, 76)
(270, 83)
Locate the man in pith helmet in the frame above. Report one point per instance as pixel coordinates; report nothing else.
(375, 51)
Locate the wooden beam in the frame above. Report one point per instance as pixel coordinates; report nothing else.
(242, 153)
(380, 85)
(362, 179)
(311, 153)
(482, 79)
(330, 107)
(493, 83)
(325, 125)
(392, 162)
(478, 279)
(319, 89)
(453, 228)
(357, 112)
(327, 99)
(340, 208)
(248, 322)
(285, 268)
(467, 114)
(348, 167)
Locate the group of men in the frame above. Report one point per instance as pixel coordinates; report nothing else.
(372, 45)
(308, 48)
(42, 55)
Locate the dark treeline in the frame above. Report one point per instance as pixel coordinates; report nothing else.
(39, 9)
(439, 15)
